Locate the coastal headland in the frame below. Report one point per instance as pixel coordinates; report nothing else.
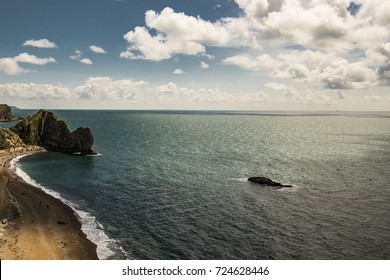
(35, 225)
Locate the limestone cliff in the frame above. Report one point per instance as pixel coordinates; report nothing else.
(6, 113)
(9, 139)
(46, 130)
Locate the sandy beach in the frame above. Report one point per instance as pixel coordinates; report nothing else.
(46, 228)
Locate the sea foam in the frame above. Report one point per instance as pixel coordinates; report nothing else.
(106, 248)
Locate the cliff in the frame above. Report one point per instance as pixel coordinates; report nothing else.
(46, 130)
(9, 208)
(9, 139)
(6, 113)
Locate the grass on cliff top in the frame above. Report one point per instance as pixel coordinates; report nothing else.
(34, 120)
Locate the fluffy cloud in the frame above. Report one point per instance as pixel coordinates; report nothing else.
(10, 66)
(34, 91)
(28, 58)
(334, 44)
(86, 61)
(315, 24)
(277, 86)
(384, 74)
(41, 43)
(95, 88)
(204, 65)
(105, 88)
(78, 57)
(340, 74)
(215, 95)
(178, 72)
(254, 8)
(97, 49)
(177, 33)
(253, 63)
(310, 97)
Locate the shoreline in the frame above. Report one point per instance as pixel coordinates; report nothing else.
(47, 229)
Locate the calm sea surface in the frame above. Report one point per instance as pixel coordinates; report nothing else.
(172, 185)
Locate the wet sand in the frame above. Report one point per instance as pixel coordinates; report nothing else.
(47, 229)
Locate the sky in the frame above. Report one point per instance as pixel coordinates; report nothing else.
(196, 55)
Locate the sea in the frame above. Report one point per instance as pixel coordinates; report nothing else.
(173, 184)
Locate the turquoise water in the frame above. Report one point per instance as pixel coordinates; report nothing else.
(172, 185)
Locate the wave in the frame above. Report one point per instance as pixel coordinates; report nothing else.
(107, 248)
(241, 179)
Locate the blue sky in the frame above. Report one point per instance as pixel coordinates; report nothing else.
(206, 54)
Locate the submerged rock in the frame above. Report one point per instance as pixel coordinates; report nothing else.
(268, 182)
(46, 130)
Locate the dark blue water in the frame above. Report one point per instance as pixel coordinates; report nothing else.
(172, 185)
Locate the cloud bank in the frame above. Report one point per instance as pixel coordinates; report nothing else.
(330, 44)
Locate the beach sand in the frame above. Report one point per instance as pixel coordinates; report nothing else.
(46, 229)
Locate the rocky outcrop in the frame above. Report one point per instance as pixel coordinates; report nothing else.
(6, 114)
(268, 182)
(9, 139)
(9, 208)
(46, 130)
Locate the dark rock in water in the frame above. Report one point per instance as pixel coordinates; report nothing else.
(46, 130)
(268, 182)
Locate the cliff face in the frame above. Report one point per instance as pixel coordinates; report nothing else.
(8, 206)
(6, 114)
(9, 139)
(46, 130)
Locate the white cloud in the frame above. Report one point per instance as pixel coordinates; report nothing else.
(340, 74)
(252, 63)
(78, 57)
(277, 86)
(314, 24)
(310, 97)
(178, 72)
(41, 43)
(86, 61)
(168, 88)
(254, 8)
(95, 88)
(204, 65)
(105, 88)
(32, 59)
(177, 33)
(208, 56)
(144, 46)
(97, 49)
(10, 67)
(171, 92)
(32, 91)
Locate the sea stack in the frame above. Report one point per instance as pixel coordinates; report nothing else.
(46, 130)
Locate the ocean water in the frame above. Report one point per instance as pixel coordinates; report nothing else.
(173, 185)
